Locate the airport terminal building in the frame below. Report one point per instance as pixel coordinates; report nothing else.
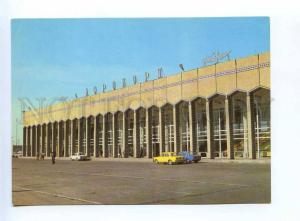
(218, 111)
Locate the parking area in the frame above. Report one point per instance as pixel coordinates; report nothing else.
(38, 182)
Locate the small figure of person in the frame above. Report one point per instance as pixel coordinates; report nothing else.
(141, 153)
(53, 157)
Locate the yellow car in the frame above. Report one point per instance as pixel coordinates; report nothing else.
(169, 158)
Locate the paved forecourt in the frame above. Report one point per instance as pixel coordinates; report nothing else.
(138, 182)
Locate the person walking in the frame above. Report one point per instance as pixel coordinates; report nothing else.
(53, 157)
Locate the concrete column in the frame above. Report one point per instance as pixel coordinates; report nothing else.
(66, 139)
(43, 147)
(28, 141)
(105, 150)
(72, 142)
(148, 134)
(229, 129)
(210, 130)
(251, 130)
(24, 142)
(96, 136)
(46, 139)
(161, 131)
(135, 128)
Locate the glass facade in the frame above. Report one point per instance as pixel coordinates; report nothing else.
(201, 133)
(219, 126)
(168, 127)
(184, 126)
(262, 122)
(188, 125)
(239, 125)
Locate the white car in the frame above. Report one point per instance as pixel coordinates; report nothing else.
(17, 154)
(79, 156)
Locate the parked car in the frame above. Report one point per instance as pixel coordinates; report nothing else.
(169, 158)
(79, 156)
(189, 157)
(17, 154)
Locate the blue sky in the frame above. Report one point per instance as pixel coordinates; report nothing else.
(61, 57)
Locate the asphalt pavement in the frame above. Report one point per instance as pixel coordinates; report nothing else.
(138, 182)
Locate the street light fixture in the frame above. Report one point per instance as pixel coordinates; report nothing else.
(181, 67)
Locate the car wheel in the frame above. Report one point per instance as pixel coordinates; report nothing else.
(169, 162)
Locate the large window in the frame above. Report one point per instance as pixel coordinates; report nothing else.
(200, 109)
(184, 127)
(169, 127)
(141, 118)
(262, 122)
(219, 126)
(155, 131)
(109, 134)
(239, 121)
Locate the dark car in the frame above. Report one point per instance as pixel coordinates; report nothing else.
(189, 157)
